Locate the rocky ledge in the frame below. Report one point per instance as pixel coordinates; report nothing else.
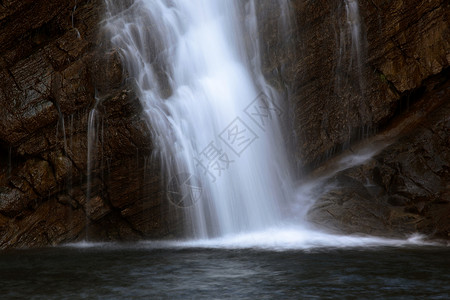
(405, 187)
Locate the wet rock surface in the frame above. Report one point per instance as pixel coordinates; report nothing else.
(402, 190)
(333, 99)
(55, 68)
(335, 102)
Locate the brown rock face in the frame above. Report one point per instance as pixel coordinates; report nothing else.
(404, 189)
(54, 71)
(334, 99)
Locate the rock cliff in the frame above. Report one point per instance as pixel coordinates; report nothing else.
(392, 86)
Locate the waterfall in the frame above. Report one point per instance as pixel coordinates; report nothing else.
(350, 46)
(94, 142)
(351, 35)
(215, 121)
(350, 82)
(354, 25)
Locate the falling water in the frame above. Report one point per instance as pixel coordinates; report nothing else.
(350, 82)
(214, 119)
(60, 126)
(350, 34)
(354, 24)
(94, 139)
(73, 23)
(91, 147)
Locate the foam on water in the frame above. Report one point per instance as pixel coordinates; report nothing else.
(274, 239)
(286, 239)
(87, 245)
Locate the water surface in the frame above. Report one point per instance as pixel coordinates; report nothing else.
(163, 271)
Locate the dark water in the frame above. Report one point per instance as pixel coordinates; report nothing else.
(132, 272)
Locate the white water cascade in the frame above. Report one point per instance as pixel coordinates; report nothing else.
(215, 121)
(354, 25)
(351, 45)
